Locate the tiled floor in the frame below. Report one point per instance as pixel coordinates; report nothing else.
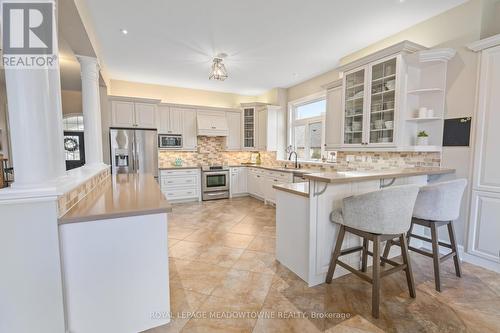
(222, 265)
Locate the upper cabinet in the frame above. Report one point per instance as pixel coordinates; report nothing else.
(170, 120)
(130, 113)
(333, 118)
(370, 104)
(249, 127)
(262, 126)
(388, 98)
(189, 135)
(233, 139)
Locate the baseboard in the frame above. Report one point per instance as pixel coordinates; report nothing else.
(467, 257)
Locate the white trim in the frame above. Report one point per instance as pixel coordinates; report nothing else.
(404, 46)
(308, 98)
(333, 84)
(484, 43)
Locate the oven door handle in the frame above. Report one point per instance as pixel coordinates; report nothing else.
(212, 194)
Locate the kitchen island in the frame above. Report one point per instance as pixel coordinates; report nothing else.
(304, 234)
(114, 255)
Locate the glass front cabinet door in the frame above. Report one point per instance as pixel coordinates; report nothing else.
(382, 102)
(354, 105)
(370, 104)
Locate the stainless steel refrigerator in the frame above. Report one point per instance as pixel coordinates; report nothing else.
(134, 151)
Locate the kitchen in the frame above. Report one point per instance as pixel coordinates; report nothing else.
(250, 190)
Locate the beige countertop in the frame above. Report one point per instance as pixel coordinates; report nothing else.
(119, 196)
(354, 176)
(294, 188)
(179, 167)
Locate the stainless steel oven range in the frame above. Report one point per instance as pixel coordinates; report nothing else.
(215, 183)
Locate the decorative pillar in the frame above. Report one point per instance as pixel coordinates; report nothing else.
(35, 120)
(91, 110)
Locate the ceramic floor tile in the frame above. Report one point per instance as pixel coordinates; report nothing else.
(263, 244)
(226, 264)
(250, 286)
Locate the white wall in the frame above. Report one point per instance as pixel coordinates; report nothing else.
(30, 272)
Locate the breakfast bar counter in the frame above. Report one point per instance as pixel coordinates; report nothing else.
(114, 255)
(305, 235)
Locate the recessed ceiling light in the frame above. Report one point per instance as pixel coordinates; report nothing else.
(124, 31)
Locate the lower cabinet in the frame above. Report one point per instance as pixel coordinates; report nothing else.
(238, 185)
(261, 181)
(181, 185)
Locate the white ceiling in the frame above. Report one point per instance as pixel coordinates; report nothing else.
(270, 44)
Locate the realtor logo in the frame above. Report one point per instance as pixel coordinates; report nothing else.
(28, 36)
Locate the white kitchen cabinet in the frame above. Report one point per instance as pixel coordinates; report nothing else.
(233, 139)
(484, 222)
(189, 135)
(261, 124)
(333, 118)
(261, 181)
(381, 94)
(128, 113)
(122, 114)
(249, 128)
(145, 115)
(181, 184)
(170, 120)
(212, 123)
(238, 184)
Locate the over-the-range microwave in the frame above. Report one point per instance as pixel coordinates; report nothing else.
(170, 141)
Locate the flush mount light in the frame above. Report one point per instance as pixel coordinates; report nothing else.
(124, 31)
(219, 71)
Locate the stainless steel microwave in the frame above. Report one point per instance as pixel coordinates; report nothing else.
(170, 141)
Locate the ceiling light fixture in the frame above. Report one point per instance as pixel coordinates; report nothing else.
(124, 31)
(219, 71)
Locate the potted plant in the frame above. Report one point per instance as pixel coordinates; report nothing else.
(422, 138)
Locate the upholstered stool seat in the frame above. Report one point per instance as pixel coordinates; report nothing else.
(437, 205)
(375, 216)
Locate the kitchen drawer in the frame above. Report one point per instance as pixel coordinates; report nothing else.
(184, 181)
(183, 172)
(175, 194)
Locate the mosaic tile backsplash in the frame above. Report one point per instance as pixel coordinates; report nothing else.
(211, 150)
(69, 199)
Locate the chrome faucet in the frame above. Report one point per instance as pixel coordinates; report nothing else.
(296, 157)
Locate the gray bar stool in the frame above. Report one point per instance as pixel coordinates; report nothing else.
(376, 216)
(437, 205)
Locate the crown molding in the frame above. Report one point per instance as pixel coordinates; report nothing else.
(402, 47)
(332, 85)
(484, 43)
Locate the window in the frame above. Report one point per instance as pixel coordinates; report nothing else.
(306, 128)
(73, 123)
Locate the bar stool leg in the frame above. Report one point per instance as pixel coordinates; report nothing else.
(364, 258)
(387, 249)
(335, 254)
(406, 261)
(453, 242)
(408, 234)
(376, 277)
(435, 256)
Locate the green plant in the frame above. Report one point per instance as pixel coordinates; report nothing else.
(422, 134)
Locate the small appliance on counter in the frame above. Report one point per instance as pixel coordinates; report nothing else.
(215, 182)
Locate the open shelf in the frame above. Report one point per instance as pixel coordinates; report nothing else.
(424, 119)
(425, 91)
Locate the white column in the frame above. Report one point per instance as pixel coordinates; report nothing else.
(91, 110)
(35, 120)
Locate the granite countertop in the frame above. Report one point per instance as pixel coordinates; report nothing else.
(352, 176)
(294, 188)
(119, 195)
